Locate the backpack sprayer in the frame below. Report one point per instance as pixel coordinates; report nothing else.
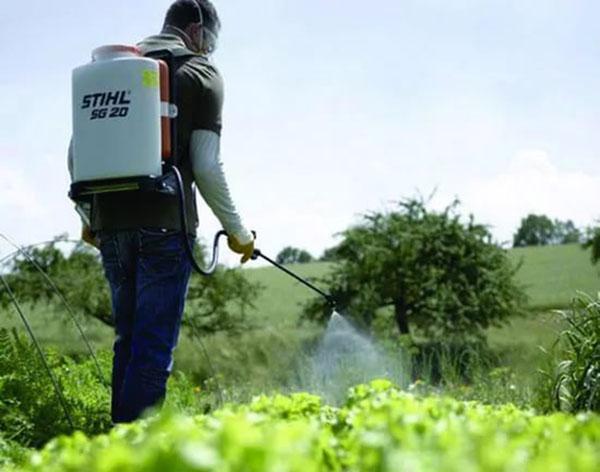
(125, 133)
(125, 129)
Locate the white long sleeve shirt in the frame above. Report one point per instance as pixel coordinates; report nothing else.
(212, 184)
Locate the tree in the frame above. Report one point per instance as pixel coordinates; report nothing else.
(592, 242)
(565, 232)
(440, 276)
(293, 255)
(330, 255)
(535, 230)
(216, 303)
(539, 230)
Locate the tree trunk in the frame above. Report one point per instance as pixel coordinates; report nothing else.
(401, 317)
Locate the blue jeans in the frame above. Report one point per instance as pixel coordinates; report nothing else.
(148, 272)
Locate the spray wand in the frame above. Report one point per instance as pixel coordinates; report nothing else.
(326, 296)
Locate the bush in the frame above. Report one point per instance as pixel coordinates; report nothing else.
(30, 412)
(576, 385)
(11, 453)
(592, 242)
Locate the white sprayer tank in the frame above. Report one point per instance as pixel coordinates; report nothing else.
(116, 116)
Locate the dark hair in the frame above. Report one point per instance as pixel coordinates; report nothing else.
(183, 12)
(210, 16)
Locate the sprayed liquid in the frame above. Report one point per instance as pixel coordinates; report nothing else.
(344, 358)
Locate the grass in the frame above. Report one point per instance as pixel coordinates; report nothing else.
(553, 275)
(54, 329)
(280, 303)
(522, 342)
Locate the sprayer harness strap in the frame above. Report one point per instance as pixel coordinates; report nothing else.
(175, 58)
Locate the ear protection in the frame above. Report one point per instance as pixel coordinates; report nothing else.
(200, 15)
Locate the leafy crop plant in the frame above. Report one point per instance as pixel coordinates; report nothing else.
(379, 428)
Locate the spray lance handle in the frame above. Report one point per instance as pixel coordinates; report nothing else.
(256, 253)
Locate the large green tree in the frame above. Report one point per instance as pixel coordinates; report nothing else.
(442, 276)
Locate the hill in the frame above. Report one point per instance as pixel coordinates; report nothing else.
(551, 275)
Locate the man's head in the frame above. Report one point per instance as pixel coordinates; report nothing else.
(198, 20)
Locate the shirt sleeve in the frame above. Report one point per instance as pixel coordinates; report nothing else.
(212, 184)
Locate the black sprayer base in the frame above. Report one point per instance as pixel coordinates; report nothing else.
(85, 190)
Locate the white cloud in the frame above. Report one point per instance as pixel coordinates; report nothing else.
(531, 183)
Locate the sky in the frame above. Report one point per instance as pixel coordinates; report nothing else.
(336, 108)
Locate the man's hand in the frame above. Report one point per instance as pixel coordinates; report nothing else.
(88, 236)
(246, 250)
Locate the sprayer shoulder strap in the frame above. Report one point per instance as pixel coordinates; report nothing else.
(175, 58)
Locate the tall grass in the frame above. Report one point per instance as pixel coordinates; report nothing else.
(576, 385)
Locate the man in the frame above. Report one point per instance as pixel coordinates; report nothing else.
(139, 234)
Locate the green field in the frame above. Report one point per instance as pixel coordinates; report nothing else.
(280, 301)
(552, 277)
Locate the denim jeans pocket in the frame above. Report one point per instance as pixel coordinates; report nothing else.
(111, 258)
(161, 251)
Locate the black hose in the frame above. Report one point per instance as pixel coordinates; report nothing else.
(215, 257)
(59, 393)
(185, 232)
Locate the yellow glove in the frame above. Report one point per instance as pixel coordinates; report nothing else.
(246, 250)
(88, 236)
